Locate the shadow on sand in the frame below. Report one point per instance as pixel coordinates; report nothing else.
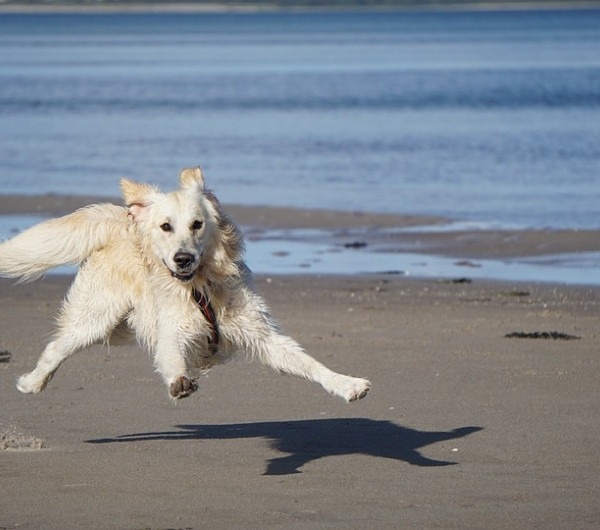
(308, 440)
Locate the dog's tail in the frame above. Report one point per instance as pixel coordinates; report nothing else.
(61, 241)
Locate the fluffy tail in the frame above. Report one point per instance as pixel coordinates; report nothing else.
(65, 240)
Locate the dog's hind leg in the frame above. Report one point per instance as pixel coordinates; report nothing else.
(86, 318)
(52, 357)
(286, 356)
(266, 343)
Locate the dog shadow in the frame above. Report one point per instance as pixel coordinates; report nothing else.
(304, 441)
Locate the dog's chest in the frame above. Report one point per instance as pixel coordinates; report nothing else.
(187, 321)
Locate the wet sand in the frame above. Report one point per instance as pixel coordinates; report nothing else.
(464, 428)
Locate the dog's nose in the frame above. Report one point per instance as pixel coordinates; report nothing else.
(183, 260)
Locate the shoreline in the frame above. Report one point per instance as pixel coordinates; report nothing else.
(378, 232)
(289, 241)
(259, 215)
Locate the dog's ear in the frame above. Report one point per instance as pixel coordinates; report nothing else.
(191, 177)
(137, 196)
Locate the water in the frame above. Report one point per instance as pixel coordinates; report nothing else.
(491, 117)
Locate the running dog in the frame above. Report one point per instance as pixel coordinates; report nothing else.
(168, 270)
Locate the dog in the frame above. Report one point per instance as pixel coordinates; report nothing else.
(166, 269)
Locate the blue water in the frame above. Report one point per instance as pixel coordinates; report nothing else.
(490, 117)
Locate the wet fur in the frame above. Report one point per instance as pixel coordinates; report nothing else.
(138, 267)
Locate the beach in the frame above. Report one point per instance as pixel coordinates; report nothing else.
(464, 428)
(419, 196)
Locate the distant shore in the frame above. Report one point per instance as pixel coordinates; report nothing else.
(266, 6)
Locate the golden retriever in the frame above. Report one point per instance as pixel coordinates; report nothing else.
(168, 270)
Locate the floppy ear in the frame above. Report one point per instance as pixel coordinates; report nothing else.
(191, 177)
(137, 196)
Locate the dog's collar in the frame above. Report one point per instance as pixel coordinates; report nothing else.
(209, 314)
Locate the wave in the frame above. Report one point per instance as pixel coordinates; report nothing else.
(494, 89)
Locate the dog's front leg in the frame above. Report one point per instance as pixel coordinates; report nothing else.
(170, 363)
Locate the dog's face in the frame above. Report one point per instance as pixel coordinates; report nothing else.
(175, 227)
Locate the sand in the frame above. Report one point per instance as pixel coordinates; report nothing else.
(464, 428)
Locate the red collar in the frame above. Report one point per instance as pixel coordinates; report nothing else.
(209, 314)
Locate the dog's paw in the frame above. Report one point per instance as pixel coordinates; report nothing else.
(359, 388)
(29, 384)
(182, 387)
(349, 388)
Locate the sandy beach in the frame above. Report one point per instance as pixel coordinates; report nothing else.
(465, 427)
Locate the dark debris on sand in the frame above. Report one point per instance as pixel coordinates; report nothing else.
(548, 335)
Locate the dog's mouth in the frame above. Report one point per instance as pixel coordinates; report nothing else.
(183, 274)
(183, 277)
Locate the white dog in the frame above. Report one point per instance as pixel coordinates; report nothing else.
(169, 270)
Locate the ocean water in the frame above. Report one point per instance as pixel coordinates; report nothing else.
(491, 117)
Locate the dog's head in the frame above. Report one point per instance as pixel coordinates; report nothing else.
(183, 230)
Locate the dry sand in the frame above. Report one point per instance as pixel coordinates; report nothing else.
(464, 428)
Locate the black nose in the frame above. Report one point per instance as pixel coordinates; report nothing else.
(183, 260)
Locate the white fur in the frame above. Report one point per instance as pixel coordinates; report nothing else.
(138, 267)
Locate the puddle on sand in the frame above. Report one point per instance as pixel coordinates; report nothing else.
(290, 257)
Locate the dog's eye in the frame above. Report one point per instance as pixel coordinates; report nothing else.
(166, 227)
(197, 225)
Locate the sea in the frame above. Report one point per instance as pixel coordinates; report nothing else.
(489, 117)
